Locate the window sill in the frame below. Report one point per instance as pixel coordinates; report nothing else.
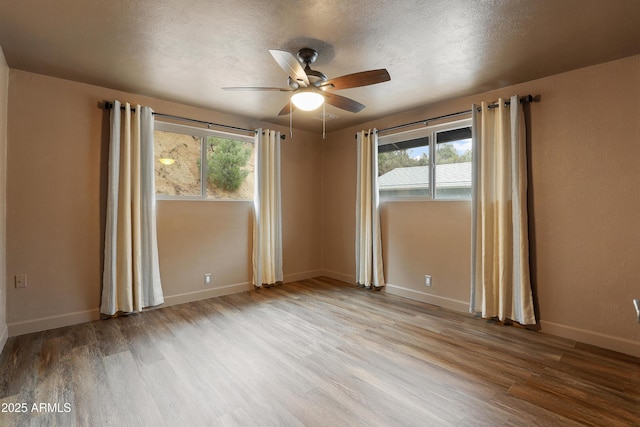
(420, 199)
(196, 199)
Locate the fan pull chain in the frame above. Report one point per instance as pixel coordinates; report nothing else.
(324, 118)
(290, 119)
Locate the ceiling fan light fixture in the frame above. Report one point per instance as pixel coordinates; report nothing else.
(307, 100)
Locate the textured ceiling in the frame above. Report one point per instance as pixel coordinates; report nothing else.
(185, 51)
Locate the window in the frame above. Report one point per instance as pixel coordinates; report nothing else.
(453, 163)
(403, 167)
(408, 162)
(193, 163)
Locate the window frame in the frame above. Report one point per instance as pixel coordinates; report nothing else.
(202, 134)
(429, 132)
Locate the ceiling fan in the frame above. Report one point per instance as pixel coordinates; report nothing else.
(311, 87)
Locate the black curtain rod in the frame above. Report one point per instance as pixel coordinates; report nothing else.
(109, 106)
(527, 98)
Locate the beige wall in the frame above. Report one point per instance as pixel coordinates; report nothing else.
(4, 98)
(56, 197)
(584, 143)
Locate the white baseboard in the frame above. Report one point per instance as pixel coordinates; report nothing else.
(576, 334)
(68, 319)
(609, 342)
(52, 322)
(451, 304)
(4, 336)
(347, 278)
(229, 289)
(206, 293)
(302, 276)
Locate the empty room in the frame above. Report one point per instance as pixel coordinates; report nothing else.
(316, 213)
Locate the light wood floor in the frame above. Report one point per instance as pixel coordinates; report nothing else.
(316, 353)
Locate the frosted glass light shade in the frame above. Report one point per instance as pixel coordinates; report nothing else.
(307, 101)
(166, 161)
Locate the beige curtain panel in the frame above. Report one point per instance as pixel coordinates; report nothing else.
(369, 269)
(500, 246)
(267, 211)
(131, 276)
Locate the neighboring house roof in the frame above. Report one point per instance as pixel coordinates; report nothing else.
(452, 175)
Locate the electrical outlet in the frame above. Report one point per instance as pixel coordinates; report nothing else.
(21, 280)
(207, 279)
(427, 280)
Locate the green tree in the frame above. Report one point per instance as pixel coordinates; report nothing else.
(398, 159)
(226, 161)
(466, 157)
(446, 154)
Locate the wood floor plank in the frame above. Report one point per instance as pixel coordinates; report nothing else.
(20, 360)
(132, 400)
(89, 375)
(315, 352)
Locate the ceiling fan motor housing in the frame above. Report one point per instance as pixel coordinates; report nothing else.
(307, 56)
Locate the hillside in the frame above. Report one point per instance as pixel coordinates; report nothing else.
(183, 176)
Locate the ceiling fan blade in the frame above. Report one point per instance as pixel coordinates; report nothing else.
(363, 78)
(290, 64)
(342, 102)
(287, 109)
(238, 88)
